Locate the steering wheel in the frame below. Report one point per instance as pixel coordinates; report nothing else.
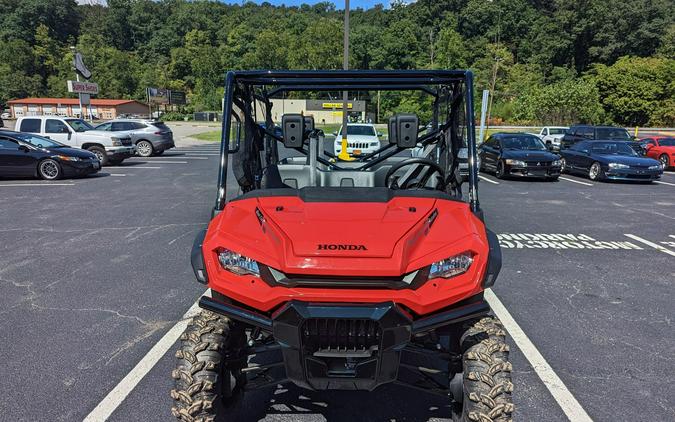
(433, 167)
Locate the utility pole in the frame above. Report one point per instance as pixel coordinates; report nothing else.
(77, 78)
(344, 155)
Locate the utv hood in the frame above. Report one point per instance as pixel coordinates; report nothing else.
(367, 235)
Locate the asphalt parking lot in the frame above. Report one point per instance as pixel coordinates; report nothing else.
(95, 272)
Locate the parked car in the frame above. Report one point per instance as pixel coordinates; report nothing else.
(25, 154)
(5, 115)
(109, 148)
(579, 133)
(151, 137)
(600, 160)
(362, 138)
(551, 136)
(660, 148)
(518, 154)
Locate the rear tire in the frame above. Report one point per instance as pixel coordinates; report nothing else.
(144, 149)
(49, 169)
(100, 154)
(487, 383)
(665, 161)
(206, 382)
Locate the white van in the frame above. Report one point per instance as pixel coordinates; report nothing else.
(110, 148)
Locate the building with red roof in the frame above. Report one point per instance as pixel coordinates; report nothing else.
(103, 109)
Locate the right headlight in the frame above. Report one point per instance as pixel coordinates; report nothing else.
(516, 163)
(618, 166)
(237, 263)
(451, 267)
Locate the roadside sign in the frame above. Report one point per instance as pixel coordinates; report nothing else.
(82, 87)
(158, 95)
(335, 105)
(177, 97)
(85, 99)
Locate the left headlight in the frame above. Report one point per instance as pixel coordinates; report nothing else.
(237, 263)
(656, 167)
(451, 267)
(618, 166)
(67, 158)
(516, 163)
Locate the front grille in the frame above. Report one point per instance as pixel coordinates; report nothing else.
(361, 145)
(340, 335)
(536, 164)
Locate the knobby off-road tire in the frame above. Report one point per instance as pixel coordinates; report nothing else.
(487, 383)
(205, 382)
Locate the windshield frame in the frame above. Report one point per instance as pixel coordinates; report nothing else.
(80, 121)
(596, 144)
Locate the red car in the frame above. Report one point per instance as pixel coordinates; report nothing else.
(661, 148)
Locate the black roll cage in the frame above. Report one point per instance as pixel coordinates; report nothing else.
(440, 84)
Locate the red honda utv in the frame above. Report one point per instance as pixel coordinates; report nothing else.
(345, 274)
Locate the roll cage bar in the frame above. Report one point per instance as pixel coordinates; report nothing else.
(244, 88)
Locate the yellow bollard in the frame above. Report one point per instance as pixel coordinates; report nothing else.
(344, 155)
(636, 131)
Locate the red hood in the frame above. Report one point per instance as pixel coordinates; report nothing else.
(344, 238)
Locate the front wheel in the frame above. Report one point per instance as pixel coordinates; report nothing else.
(595, 172)
(100, 154)
(563, 166)
(144, 148)
(49, 169)
(486, 383)
(208, 375)
(665, 162)
(500, 172)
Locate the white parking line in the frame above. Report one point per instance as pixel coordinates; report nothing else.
(576, 181)
(177, 157)
(664, 183)
(488, 180)
(8, 185)
(117, 395)
(165, 162)
(553, 383)
(132, 167)
(117, 174)
(652, 244)
(200, 154)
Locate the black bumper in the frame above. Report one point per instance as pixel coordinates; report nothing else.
(532, 171)
(328, 346)
(80, 168)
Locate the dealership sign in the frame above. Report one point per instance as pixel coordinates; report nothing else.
(82, 87)
(335, 105)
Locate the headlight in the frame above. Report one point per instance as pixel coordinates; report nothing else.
(66, 158)
(116, 142)
(557, 163)
(515, 163)
(452, 266)
(618, 166)
(237, 263)
(656, 167)
(374, 144)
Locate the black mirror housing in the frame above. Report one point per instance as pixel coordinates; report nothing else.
(293, 126)
(403, 130)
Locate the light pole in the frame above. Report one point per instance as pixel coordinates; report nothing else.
(77, 78)
(344, 155)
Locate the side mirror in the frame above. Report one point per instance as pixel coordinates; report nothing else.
(380, 134)
(70, 135)
(497, 147)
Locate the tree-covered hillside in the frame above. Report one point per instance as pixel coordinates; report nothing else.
(557, 61)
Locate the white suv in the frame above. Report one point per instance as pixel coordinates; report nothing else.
(108, 147)
(362, 139)
(551, 136)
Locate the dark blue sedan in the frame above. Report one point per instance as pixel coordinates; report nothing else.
(615, 160)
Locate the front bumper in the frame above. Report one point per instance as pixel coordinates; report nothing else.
(344, 346)
(116, 153)
(632, 174)
(80, 168)
(532, 171)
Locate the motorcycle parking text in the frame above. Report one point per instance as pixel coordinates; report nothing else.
(559, 241)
